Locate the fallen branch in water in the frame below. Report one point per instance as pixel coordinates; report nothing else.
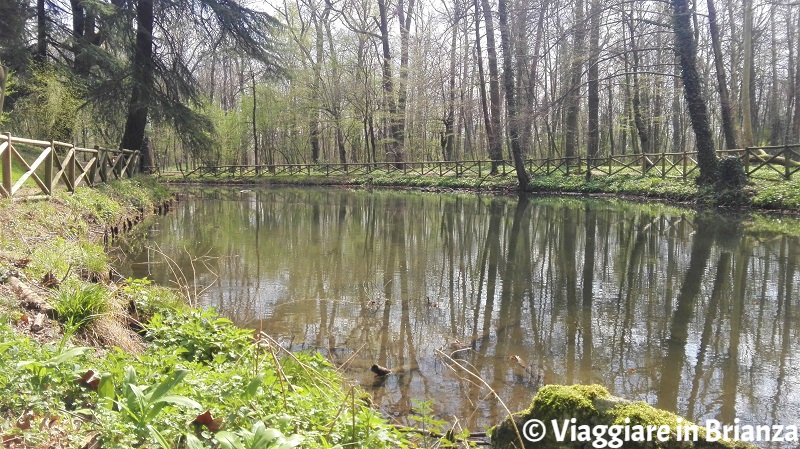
(474, 438)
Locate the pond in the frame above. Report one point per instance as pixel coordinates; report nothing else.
(691, 312)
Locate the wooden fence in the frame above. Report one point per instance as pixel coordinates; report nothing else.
(61, 162)
(783, 160)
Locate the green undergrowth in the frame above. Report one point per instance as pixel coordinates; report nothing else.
(201, 383)
(130, 365)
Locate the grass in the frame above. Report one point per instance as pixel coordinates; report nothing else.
(766, 189)
(77, 307)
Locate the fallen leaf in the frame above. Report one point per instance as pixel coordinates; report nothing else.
(211, 423)
(89, 380)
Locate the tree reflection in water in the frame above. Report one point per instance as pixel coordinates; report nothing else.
(689, 312)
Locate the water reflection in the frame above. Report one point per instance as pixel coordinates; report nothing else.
(688, 312)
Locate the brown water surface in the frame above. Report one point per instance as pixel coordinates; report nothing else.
(691, 313)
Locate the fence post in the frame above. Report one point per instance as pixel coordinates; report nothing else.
(685, 156)
(6, 163)
(48, 169)
(588, 167)
(747, 161)
(663, 162)
(92, 175)
(787, 174)
(71, 169)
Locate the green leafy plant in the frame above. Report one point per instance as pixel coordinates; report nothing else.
(259, 437)
(143, 404)
(200, 335)
(429, 424)
(44, 371)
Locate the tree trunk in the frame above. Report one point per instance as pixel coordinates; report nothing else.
(336, 94)
(677, 141)
(494, 134)
(511, 101)
(747, 76)
(735, 52)
(636, 104)
(394, 144)
(794, 72)
(41, 32)
(574, 93)
(686, 51)
(314, 131)
(593, 100)
(775, 120)
(404, 17)
(142, 75)
(722, 84)
(3, 77)
(449, 119)
(83, 34)
(796, 85)
(255, 130)
(487, 121)
(527, 127)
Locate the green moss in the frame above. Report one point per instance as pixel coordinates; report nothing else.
(558, 401)
(641, 413)
(593, 406)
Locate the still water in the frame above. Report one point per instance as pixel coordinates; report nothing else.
(693, 313)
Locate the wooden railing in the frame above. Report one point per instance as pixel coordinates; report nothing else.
(760, 161)
(60, 162)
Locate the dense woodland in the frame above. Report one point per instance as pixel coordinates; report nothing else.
(289, 81)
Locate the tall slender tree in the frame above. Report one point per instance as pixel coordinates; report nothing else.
(495, 132)
(722, 83)
(511, 97)
(573, 96)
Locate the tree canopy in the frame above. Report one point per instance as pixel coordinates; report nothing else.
(218, 82)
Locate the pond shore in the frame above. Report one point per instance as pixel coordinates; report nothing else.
(766, 194)
(101, 361)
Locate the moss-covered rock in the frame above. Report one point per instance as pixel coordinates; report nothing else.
(588, 416)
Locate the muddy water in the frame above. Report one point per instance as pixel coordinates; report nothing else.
(694, 313)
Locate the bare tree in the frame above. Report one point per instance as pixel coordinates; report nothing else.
(494, 133)
(511, 101)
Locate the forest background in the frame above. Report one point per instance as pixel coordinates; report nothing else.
(218, 82)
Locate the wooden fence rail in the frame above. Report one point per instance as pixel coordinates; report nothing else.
(783, 160)
(61, 162)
